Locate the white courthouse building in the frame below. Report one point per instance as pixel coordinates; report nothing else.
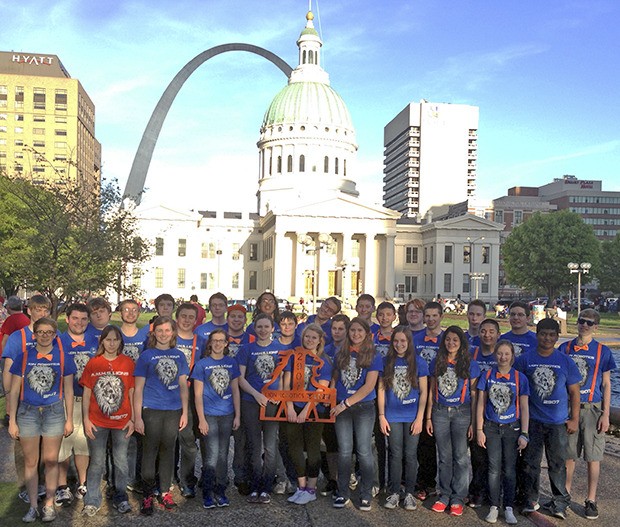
(313, 232)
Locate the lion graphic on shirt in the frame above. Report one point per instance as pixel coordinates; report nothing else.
(351, 374)
(307, 375)
(448, 383)
(428, 354)
(167, 370)
(582, 366)
(131, 350)
(544, 380)
(80, 360)
(109, 390)
(500, 396)
(219, 380)
(518, 349)
(400, 384)
(41, 378)
(265, 364)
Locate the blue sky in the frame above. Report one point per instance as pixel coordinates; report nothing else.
(544, 74)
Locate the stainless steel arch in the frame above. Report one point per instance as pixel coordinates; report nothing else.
(142, 160)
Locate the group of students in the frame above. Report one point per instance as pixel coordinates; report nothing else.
(410, 401)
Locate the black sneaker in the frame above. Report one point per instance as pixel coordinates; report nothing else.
(340, 502)
(591, 510)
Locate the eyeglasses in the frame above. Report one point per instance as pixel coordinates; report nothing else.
(518, 315)
(218, 341)
(45, 333)
(584, 321)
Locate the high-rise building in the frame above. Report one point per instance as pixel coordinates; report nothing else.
(47, 123)
(430, 157)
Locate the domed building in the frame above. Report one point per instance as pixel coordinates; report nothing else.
(313, 235)
(307, 139)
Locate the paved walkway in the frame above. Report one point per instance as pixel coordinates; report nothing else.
(320, 513)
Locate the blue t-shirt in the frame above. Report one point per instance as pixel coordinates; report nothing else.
(134, 346)
(485, 362)
(204, 330)
(324, 372)
(473, 340)
(451, 389)
(161, 370)
(326, 327)
(382, 343)
(42, 378)
(14, 345)
(353, 378)
(191, 350)
(402, 400)
(549, 379)
(522, 343)
(93, 331)
(217, 376)
(502, 401)
(375, 328)
(425, 348)
(590, 386)
(331, 350)
(260, 363)
(81, 352)
(235, 343)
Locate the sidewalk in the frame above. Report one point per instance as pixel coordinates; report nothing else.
(320, 513)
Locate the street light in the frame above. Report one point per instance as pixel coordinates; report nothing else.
(582, 268)
(324, 240)
(474, 276)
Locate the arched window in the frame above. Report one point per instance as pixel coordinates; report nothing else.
(279, 170)
(270, 163)
(302, 163)
(336, 165)
(326, 165)
(311, 57)
(303, 57)
(344, 167)
(289, 164)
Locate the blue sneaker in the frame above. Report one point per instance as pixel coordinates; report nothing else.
(222, 501)
(208, 502)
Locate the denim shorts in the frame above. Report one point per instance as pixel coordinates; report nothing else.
(36, 421)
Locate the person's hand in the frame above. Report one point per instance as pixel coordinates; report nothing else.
(139, 425)
(481, 438)
(89, 428)
(429, 427)
(384, 425)
(130, 428)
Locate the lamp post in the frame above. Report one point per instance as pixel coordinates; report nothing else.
(579, 268)
(313, 246)
(473, 276)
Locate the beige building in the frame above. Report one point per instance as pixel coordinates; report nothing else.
(47, 122)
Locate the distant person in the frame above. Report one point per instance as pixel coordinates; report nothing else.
(164, 306)
(523, 339)
(476, 311)
(365, 307)
(15, 321)
(100, 315)
(218, 307)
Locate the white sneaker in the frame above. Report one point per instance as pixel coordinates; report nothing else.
(375, 491)
(306, 497)
(48, 514)
(296, 496)
(509, 514)
(410, 504)
(493, 514)
(31, 516)
(63, 497)
(80, 492)
(391, 501)
(353, 481)
(90, 510)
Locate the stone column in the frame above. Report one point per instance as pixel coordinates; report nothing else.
(388, 284)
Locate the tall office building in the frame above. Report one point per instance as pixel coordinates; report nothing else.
(430, 157)
(47, 123)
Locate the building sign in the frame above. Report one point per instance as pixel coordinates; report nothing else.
(35, 60)
(586, 184)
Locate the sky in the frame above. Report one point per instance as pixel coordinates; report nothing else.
(545, 76)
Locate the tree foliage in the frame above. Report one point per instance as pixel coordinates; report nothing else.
(65, 241)
(609, 276)
(536, 253)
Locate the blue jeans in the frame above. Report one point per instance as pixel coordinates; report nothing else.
(450, 424)
(402, 441)
(502, 458)
(216, 445)
(96, 466)
(360, 418)
(261, 445)
(554, 438)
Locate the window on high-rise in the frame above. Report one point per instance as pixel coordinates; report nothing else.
(3, 96)
(38, 98)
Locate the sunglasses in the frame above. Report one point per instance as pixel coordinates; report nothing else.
(584, 321)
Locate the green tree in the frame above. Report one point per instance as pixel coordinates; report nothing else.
(536, 253)
(609, 276)
(65, 241)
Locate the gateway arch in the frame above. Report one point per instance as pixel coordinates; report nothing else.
(142, 159)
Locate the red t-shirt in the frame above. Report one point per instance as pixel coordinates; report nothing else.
(13, 323)
(110, 382)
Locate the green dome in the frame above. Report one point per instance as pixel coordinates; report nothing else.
(308, 103)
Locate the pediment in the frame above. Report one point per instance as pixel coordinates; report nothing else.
(340, 207)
